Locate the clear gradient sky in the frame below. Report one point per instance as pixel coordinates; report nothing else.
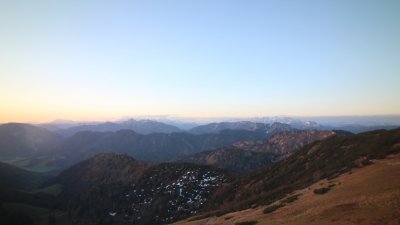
(92, 60)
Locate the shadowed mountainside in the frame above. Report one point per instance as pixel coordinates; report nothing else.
(248, 156)
(15, 178)
(157, 146)
(40, 150)
(19, 203)
(21, 140)
(110, 188)
(139, 126)
(290, 141)
(232, 159)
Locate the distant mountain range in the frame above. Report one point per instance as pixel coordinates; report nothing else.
(143, 139)
(247, 156)
(151, 126)
(38, 148)
(241, 125)
(163, 124)
(159, 146)
(21, 140)
(139, 126)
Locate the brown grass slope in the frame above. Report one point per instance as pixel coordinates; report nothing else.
(320, 160)
(366, 196)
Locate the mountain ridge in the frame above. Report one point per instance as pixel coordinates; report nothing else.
(139, 126)
(158, 146)
(246, 156)
(18, 139)
(111, 188)
(133, 190)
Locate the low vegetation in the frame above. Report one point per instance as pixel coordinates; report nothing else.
(324, 190)
(281, 203)
(291, 199)
(321, 191)
(272, 208)
(247, 223)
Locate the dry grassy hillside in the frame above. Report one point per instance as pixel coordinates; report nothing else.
(365, 196)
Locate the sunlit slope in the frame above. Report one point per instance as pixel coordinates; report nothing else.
(369, 195)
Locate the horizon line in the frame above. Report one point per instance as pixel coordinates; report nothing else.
(192, 118)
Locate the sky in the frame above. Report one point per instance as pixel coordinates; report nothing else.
(95, 60)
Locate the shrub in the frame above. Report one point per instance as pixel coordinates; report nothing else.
(331, 185)
(321, 191)
(272, 208)
(247, 223)
(291, 198)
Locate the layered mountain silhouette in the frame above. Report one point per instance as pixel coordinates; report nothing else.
(21, 140)
(156, 146)
(106, 185)
(247, 156)
(139, 126)
(170, 190)
(242, 125)
(38, 149)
